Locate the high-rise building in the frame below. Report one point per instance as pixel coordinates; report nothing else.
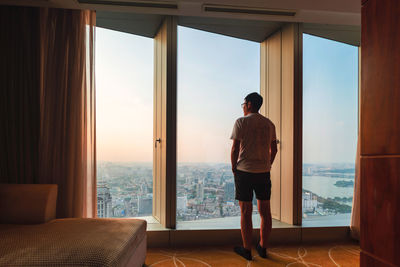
(129, 207)
(200, 191)
(143, 188)
(181, 203)
(104, 199)
(145, 205)
(229, 191)
(309, 202)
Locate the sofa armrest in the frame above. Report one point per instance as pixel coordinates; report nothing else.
(27, 203)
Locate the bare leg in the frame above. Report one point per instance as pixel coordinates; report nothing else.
(266, 221)
(246, 224)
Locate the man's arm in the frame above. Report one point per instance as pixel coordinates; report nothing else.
(274, 150)
(235, 154)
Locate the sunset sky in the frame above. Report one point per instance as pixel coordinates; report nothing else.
(215, 73)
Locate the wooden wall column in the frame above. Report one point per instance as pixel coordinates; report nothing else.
(380, 133)
(164, 130)
(281, 87)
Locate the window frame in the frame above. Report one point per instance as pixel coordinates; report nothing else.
(290, 89)
(288, 81)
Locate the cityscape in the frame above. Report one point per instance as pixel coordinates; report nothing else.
(327, 189)
(207, 191)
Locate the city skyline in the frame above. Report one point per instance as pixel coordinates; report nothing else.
(206, 191)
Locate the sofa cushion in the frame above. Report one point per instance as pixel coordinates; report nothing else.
(72, 242)
(27, 203)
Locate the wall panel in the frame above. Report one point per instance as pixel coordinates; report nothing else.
(157, 130)
(380, 133)
(287, 144)
(380, 217)
(380, 120)
(164, 153)
(281, 87)
(271, 91)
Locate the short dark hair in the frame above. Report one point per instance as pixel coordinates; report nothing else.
(256, 101)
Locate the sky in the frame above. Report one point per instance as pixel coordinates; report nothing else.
(330, 101)
(213, 80)
(124, 96)
(215, 73)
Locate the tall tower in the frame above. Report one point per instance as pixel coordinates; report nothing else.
(229, 191)
(200, 191)
(104, 199)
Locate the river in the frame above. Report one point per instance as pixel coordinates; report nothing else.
(325, 186)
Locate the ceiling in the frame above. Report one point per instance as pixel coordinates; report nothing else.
(340, 12)
(247, 19)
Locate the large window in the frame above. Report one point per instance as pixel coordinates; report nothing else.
(215, 73)
(124, 106)
(330, 93)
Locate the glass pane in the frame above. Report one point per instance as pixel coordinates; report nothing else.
(330, 104)
(124, 107)
(215, 73)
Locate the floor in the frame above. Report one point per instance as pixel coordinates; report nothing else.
(217, 223)
(339, 254)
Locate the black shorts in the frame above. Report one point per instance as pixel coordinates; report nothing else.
(246, 182)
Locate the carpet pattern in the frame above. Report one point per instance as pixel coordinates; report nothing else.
(304, 255)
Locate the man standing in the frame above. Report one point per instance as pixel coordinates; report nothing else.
(253, 151)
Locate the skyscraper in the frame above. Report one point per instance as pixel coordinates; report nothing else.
(181, 203)
(229, 190)
(200, 191)
(145, 205)
(104, 201)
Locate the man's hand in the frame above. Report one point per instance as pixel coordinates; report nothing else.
(274, 150)
(235, 154)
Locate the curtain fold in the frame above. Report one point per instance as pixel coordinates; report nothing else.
(67, 144)
(355, 212)
(91, 164)
(48, 104)
(19, 94)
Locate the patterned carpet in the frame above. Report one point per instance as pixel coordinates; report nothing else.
(305, 255)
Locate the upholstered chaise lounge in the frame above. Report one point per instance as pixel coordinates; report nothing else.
(31, 236)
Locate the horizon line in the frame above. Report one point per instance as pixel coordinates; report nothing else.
(207, 162)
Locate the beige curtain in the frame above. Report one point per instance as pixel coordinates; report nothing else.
(48, 103)
(67, 129)
(355, 213)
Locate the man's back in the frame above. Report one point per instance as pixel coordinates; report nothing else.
(253, 151)
(256, 134)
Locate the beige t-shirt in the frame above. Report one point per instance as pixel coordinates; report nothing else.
(256, 134)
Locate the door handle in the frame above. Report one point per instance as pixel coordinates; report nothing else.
(157, 141)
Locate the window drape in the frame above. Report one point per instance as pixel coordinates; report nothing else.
(67, 151)
(355, 212)
(19, 94)
(62, 131)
